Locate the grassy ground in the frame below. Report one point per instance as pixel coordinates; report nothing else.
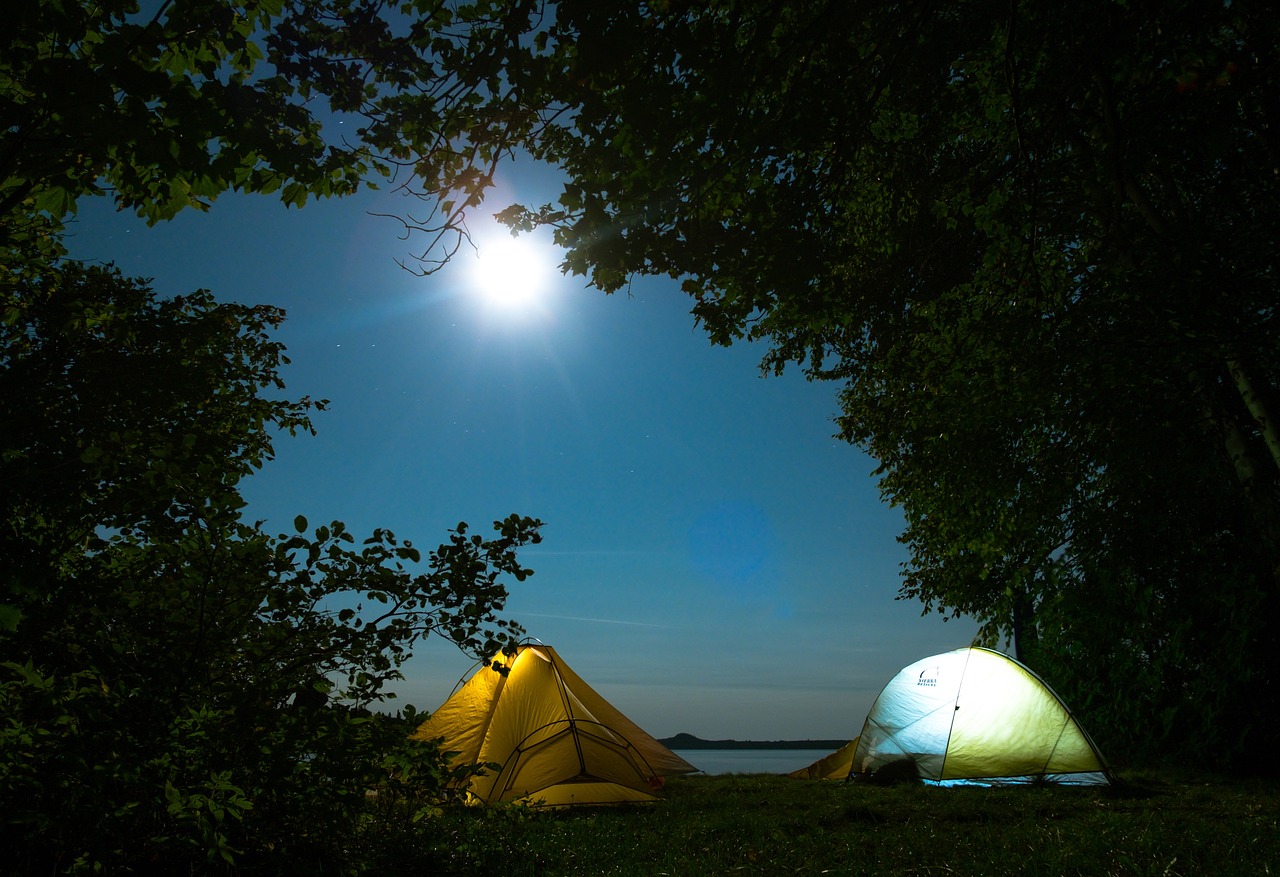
(776, 825)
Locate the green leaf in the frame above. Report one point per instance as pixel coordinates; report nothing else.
(10, 617)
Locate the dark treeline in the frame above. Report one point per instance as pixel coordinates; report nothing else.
(689, 741)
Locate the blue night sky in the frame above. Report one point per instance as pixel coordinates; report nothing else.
(713, 560)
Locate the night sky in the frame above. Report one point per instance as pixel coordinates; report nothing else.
(713, 562)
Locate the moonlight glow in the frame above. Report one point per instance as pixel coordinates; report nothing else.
(512, 273)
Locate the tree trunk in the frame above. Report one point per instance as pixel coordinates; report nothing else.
(1256, 481)
(1259, 408)
(1024, 625)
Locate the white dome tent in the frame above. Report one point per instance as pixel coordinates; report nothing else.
(975, 715)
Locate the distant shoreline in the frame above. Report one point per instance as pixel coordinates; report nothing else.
(689, 741)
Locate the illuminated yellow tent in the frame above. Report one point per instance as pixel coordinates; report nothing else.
(556, 741)
(976, 715)
(835, 766)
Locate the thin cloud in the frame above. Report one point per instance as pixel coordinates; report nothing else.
(595, 620)
(586, 552)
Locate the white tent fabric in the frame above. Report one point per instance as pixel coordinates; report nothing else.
(976, 715)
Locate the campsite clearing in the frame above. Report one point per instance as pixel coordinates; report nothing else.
(764, 824)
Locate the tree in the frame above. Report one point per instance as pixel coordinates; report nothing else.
(181, 690)
(1034, 242)
(152, 633)
(168, 110)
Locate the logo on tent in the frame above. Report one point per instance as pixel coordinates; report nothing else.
(928, 678)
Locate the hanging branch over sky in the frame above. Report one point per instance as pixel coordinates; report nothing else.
(1035, 244)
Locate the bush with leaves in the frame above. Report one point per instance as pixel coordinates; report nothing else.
(179, 688)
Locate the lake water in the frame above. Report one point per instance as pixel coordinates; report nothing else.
(721, 761)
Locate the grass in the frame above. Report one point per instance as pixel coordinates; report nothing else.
(764, 824)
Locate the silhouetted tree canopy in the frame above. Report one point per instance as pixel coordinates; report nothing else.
(167, 105)
(182, 691)
(1034, 243)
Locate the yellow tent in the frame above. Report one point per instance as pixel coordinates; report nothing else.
(976, 715)
(835, 766)
(556, 741)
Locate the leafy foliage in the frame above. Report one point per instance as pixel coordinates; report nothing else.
(1036, 245)
(177, 685)
(165, 106)
(180, 690)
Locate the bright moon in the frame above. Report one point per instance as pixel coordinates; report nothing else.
(512, 273)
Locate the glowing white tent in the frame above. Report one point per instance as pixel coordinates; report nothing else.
(976, 715)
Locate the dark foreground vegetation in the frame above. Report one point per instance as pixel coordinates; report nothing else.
(775, 825)
(1032, 243)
